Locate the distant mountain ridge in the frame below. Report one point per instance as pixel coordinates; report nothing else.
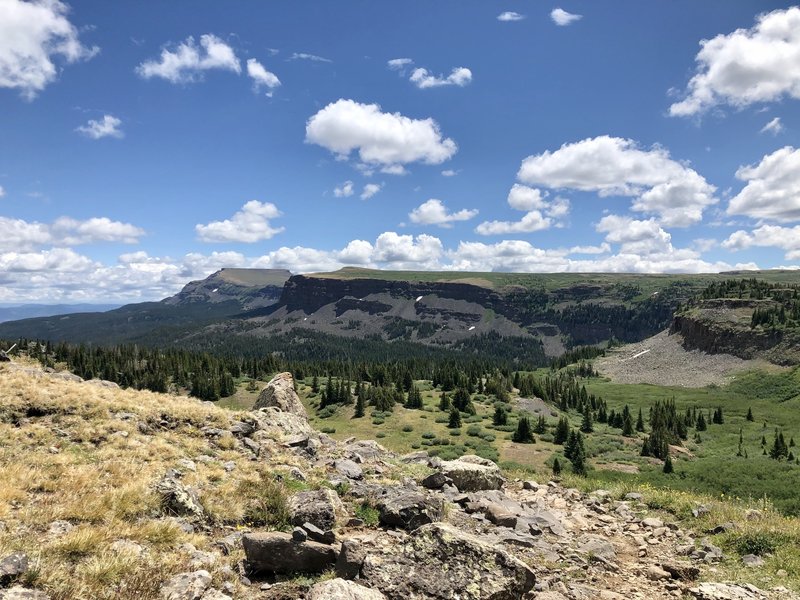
(15, 312)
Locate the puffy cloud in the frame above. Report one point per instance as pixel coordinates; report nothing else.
(394, 170)
(248, 225)
(260, 76)
(563, 18)
(370, 190)
(459, 76)
(63, 260)
(773, 187)
(510, 15)
(617, 166)
(522, 197)
(399, 64)
(22, 235)
(310, 57)
(344, 191)
(406, 251)
(34, 36)
(380, 138)
(643, 237)
(434, 212)
(603, 248)
(188, 61)
(774, 236)
(449, 173)
(107, 127)
(760, 64)
(532, 221)
(774, 126)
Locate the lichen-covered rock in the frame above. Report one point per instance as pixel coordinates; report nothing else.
(348, 468)
(186, 586)
(351, 557)
(20, 593)
(340, 589)
(280, 393)
(440, 562)
(278, 426)
(724, 591)
(12, 566)
(409, 510)
(276, 552)
(179, 500)
(472, 473)
(318, 507)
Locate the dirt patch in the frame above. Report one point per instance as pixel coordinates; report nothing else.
(535, 406)
(662, 360)
(620, 467)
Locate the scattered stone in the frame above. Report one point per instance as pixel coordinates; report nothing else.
(599, 547)
(128, 547)
(530, 485)
(652, 522)
(12, 566)
(348, 468)
(656, 573)
(230, 542)
(280, 393)
(681, 571)
(179, 500)
(189, 465)
(20, 593)
(500, 516)
(276, 552)
(472, 473)
(724, 591)
(635, 496)
(59, 528)
(440, 562)
(722, 528)
(186, 586)
(339, 589)
(435, 481)
(299, 534)
(316, 534)
(409, 510)
(751, 560)
(350, 559)
(318, 507)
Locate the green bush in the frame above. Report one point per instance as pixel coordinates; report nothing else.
(408, 428)
(474, 430)
(328, 430)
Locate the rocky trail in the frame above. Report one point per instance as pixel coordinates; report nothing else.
(379, 526)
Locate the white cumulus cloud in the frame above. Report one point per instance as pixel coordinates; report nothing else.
(774, 236)
(344, 191)
(260, 76)
(22, 235)
(774, 126)
(510, 15)
(187, 62)
(616, 166)
(532, 221)
(248, 225)
(434, 212)
(34, 37)
(773, 187)
(370, 190)
(563, 18)
(108, 126)
(459, 76)
(380, 138)
(760, 64)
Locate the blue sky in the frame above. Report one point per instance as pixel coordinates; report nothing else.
(146, 144)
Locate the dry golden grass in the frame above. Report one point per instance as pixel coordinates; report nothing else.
(65, 454)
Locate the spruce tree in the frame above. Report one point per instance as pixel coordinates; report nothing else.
(640, 422)
(315, 385)
(750, 415)
(586, 424)
(541, 425)
(523, 434)
(562, 431)
(627, 422)
(701, 423)
(668, 468)
(500, 416)
(579, 456)
(455, 418)
(444, 403)
(360, 407)
(556, 467)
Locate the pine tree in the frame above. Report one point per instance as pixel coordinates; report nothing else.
(541, 425)
(668, 468)
(414, 398)
(586, 424)
(627, 422)
(701, 423)
(640, 422)
(500, 416)
(556, 467)
(455, 418)
(562, 431)
(444, 403)
(779, 448)
(750, 415)
(360, 407)
(523, 434)
(315, 385)
(579, 456)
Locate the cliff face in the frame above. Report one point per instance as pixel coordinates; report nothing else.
(251, 288)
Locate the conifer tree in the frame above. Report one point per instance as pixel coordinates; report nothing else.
(586, 424)
(562, 431)
(541, 425)
(500, 416)
(523, 434)
(444, 403)
(578, 459)
(640, 422)
(750, 415)
(455, 418)
(668, 468)
(414, 398)
(360, 407)
(556, 467)
(701, 423)
(627, 422)
(315, 385)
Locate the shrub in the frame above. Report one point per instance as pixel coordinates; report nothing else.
(408, 428)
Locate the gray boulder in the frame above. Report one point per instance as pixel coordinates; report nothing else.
(409, 510)
(280, 393)
(20, 593)
(276, 552)
(339, 589)
(13, 566)
(186, 586)
(318, 507)
(179, 500)
(348, 468)
(440, 562)
(351, 557)
(472, 473)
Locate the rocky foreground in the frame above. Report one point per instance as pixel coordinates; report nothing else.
(359, 522)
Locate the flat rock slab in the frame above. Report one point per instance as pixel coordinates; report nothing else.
(340, 589)
(276, 552)
(318, 507)
(442, 563)
(472, 473)
(186, 586)
(409, 510)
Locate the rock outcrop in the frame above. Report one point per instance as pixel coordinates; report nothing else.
(280, 393)
(276, 552)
